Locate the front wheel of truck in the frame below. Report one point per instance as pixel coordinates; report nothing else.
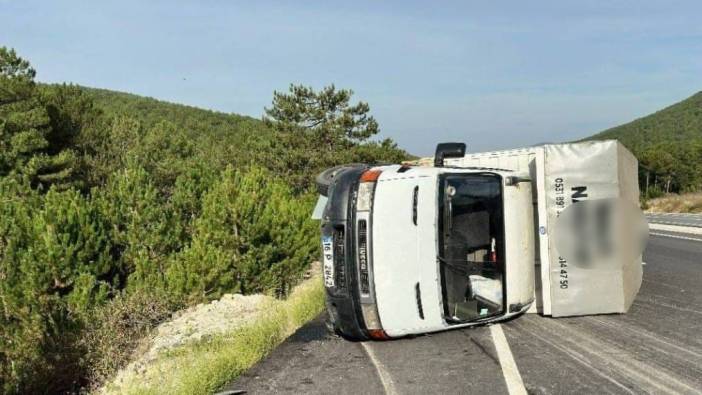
(326, 178)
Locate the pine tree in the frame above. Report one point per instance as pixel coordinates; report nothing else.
(319, 129)
(25, 128)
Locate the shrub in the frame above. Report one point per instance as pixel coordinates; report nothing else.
(55, 267)
(252, 236)
(142, 229)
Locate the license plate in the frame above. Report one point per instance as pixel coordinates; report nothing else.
(328, 257)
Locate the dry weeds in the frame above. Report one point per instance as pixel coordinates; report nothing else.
(674, 203)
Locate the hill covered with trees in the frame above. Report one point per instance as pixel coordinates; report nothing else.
(119, 209)
(668, 144)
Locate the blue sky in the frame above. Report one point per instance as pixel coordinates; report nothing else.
(493, 76)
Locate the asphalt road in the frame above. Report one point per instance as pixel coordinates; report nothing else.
(655, 348)
(675, 219)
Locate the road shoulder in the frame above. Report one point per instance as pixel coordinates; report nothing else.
(311, 361)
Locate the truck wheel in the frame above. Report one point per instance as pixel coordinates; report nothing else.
(326, 178)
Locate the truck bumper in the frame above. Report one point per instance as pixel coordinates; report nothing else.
(338, 224)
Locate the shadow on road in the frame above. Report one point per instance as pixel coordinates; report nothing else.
(314, 330)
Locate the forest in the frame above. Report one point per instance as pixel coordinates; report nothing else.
(118, 210)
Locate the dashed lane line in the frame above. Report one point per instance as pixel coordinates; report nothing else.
(515, 385)
(385, 379)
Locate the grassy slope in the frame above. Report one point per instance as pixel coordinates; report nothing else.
(676, 124)
(204, 367)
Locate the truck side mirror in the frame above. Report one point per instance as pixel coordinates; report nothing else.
(448, 150)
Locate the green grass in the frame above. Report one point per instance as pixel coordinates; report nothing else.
(204, 367)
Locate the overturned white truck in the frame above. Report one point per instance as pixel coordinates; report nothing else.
(477, 238)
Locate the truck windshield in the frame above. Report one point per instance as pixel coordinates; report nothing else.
(471, 246)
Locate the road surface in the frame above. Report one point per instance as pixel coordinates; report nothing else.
(675, 219)
(655, 348)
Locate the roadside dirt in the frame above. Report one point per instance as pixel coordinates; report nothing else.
(194, 324)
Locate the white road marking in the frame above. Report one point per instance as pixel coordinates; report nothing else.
(515, 385)
(675, 214)
(693, 224)
(384, 375)
(690, 230)
(675, 236)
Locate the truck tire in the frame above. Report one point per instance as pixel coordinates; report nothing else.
(326, 178)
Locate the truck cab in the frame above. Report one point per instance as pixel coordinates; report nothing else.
(410, 250)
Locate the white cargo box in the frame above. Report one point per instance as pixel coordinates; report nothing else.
(562, 174)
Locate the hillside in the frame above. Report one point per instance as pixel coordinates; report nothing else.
(679, 123)
(223, 138)
(668, 144)
(151, 111)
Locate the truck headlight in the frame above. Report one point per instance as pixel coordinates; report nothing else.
(365, 196)
(370, 316)
(366, 188)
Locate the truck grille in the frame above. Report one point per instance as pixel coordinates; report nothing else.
(339, 258)
(363, 256)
